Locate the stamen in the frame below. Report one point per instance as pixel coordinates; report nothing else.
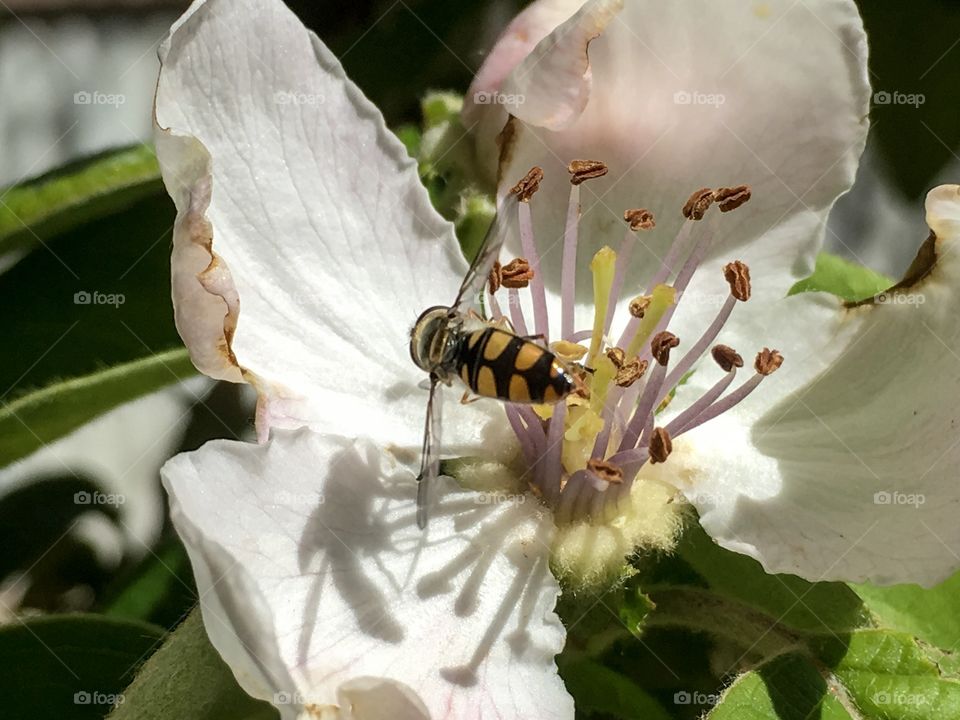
(637, 220)
(738, 275)
(728, 360)
(525, 189)
(660, 446)
(606, 471)
(641, 328)
(768, 362)
(603, 267)
(494, 280)
(660, 349)
(698, 204)
(537, 291)
(661, 346)
(631, 371)
(516, 312)
(639, 305)
(553, 464)
(726, 357)
(516, 274)
(731, 198)
(568, 278)
(640, 219)
(583, 170)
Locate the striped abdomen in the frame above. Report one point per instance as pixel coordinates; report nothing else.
(498, 364)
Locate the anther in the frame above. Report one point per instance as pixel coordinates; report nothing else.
(661, 345)
(640, 219)
(583, 170)
(630, 372)
(731, 198)
(737, 274)
(726, 357)
(525, 189)
(660, 446)
(516, 274)
(494, 279)
(605, 470)
(617, 357)
(768, 361)
(698, 204)
(639, 305)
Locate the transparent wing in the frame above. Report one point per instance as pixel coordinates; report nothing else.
(479, 271)
(430, 459)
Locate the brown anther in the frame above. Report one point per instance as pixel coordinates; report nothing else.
(639, 305)
(583, 170)
(726, 357)
(768, 361)
(698, 204)
(617, 357)
(630, 372)
(525, 189)
(605, 471)
(662, 344)
(640, 219)
(494, 280)
(660, 446)
(737, 274)
(516, 273)
(731, 198)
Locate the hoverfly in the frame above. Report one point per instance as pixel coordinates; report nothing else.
(449, 343)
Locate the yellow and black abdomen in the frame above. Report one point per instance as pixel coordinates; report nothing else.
(498, 364)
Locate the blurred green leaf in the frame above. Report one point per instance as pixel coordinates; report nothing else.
(843, 278)
(598, 689)
(70, 666)
(186, 678)
(80, 192)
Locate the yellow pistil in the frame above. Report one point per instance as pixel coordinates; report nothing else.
(580, 433)
(604, 267)
(662, 299)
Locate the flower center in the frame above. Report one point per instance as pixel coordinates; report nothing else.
(585, 452)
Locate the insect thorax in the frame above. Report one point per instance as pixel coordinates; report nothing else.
(435, 339)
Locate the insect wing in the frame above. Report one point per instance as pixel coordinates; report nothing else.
(479, 271)
(430, 458)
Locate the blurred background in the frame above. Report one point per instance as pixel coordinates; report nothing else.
(82, 517)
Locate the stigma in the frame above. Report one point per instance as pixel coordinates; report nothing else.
(585, 453)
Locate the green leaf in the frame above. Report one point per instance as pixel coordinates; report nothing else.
(933, 614)
(70, 666)
(788, 687)
(843, 278)
(186, 678)
(97, 327)
(44, 415)
(598, 689)
(80, 192)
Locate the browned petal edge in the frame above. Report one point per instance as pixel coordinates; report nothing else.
(921, 267)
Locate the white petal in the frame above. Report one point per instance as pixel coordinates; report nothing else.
(691, 95)
(843, 465)
(310, 544)
(324, 245)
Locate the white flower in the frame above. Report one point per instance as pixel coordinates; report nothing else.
(305, 248)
